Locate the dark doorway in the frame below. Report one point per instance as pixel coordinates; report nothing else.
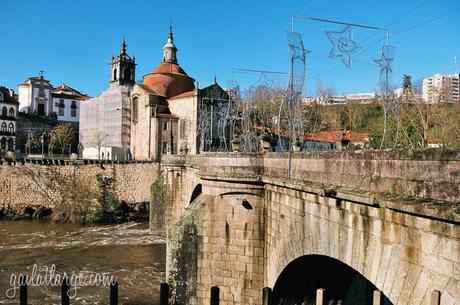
(298, 282)
(40, 109)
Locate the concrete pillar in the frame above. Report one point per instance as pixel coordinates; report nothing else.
(320, 296)
(435, 297)
(378, 298)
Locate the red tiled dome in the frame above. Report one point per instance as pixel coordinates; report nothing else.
(168, 79)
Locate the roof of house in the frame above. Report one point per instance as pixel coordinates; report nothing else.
(334, 135)
(185, 94)
(7, 98)
(67, 92)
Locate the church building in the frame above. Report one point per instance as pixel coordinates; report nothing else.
(105, 120)
(170, 115)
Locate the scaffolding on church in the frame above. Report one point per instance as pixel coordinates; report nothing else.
(105, 124)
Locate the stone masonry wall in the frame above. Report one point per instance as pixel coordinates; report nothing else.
(40, 184)
(229, 249)
(404, 256)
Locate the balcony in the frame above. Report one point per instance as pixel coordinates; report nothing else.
(7, 118)
(6, 133)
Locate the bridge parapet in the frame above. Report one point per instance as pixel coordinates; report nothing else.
(433, 174)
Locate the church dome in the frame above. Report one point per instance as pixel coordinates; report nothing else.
(168, 79)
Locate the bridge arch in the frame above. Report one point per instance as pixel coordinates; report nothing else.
(298, 282)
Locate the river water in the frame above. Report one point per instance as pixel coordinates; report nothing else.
(126, 251)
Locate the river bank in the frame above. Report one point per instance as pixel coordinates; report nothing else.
(125, 250)
(117, 212)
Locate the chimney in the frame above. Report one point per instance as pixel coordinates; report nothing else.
(11, 92)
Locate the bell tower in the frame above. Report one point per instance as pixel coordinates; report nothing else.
(169, 49)
(123, 67)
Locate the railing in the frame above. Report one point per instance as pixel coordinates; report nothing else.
(267, 295)
(7, 118)
(65, 288)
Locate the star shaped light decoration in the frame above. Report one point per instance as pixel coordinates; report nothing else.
(385, 60)
(342, 45)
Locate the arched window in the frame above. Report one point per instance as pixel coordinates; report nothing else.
(11, 128)
(4, 111)
(115, 74)
(127, 74)
(12, 112)
(3, 143)
(3, 128)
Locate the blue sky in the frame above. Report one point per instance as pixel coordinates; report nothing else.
(73, 41)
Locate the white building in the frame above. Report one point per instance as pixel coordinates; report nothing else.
(441, 88)
(105, 120)
(8, 113)
(37, 96)
(66, 103)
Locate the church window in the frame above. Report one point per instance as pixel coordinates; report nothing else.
(115, 74)
(135, 108)
(41, 89)
(4, 111)
(182, 128)
(127, 74)
(11, 112)
(3, 128)
(11, 128)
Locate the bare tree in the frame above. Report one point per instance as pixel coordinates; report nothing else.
(98, 141)
(324, 94)
(61, 136)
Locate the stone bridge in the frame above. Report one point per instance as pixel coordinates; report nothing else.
(350, 223)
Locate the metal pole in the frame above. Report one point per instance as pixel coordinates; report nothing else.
(215, 295)
(164, 294)
(435, 297)
(64, 292)
(321, 296)
(114, 293)
(23, 290)
(377, 298)
(267, 296)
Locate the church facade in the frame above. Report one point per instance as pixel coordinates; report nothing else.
(170, 115)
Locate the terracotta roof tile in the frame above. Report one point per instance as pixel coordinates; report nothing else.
(185, 94)
(334, 135)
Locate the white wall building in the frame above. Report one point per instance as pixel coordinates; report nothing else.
(8, 113)
(66, 103)
(441, 88)
(105, 120)
(37, 96)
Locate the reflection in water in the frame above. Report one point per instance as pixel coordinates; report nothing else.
(126, 251)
